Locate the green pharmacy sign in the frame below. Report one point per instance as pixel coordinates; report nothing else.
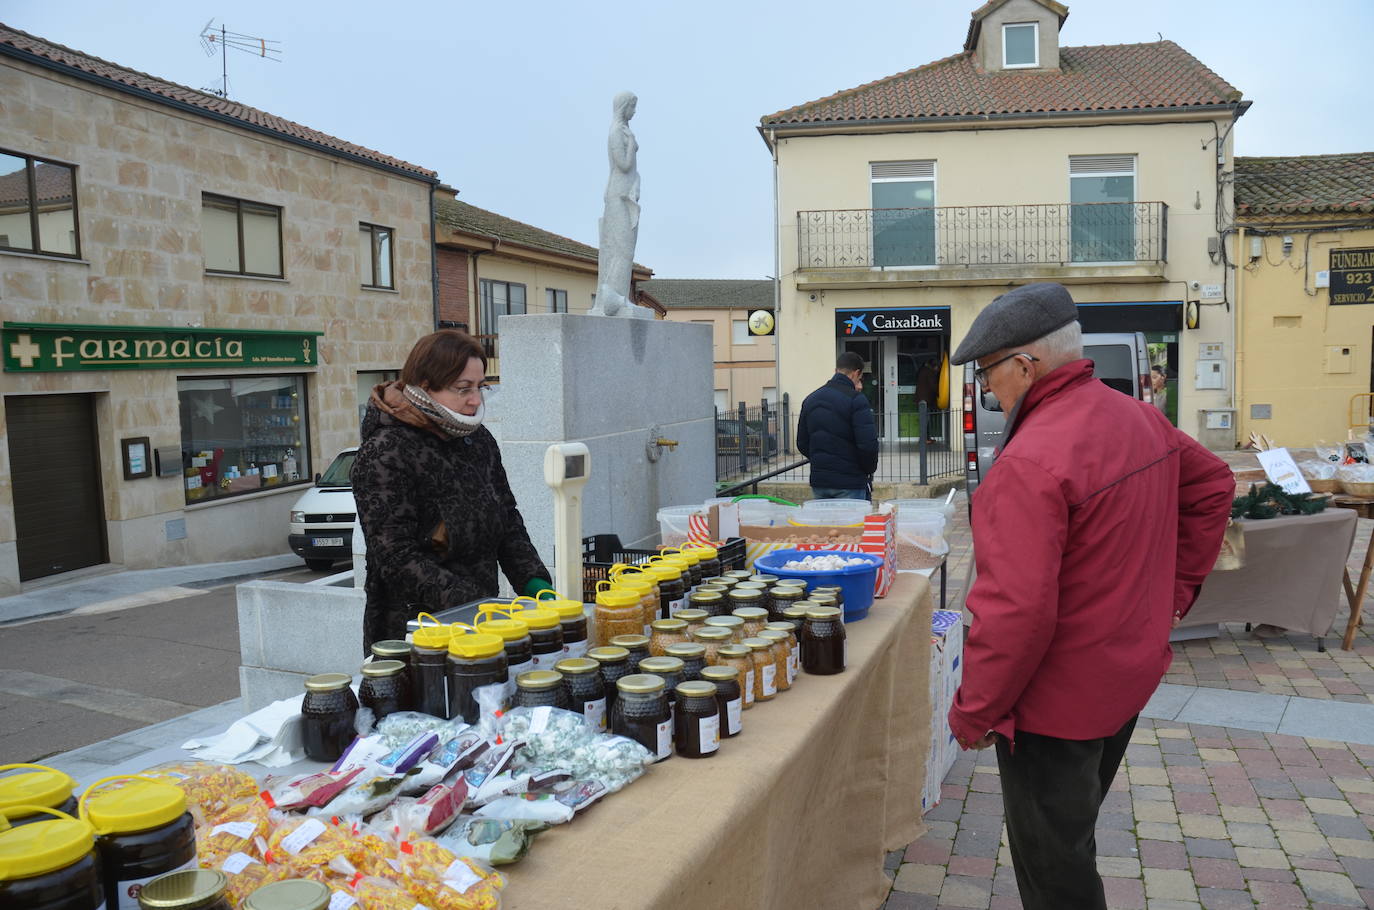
(33, 347)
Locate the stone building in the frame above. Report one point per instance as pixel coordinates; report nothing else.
(196, 295)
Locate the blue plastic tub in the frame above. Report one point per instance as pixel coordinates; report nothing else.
(857, 582)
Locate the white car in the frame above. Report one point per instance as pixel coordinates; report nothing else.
(321, 526)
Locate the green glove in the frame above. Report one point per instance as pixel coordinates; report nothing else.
(534, 586)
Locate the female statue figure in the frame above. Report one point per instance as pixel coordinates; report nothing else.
(619, 224)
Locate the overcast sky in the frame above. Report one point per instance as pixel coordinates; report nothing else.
(510, 102)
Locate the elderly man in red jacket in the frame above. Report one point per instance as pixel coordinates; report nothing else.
(1092, 534)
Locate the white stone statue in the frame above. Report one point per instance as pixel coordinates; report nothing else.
(619, 224)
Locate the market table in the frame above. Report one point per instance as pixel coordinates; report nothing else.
(1291, 576)
(795, 812)
(1363, 507)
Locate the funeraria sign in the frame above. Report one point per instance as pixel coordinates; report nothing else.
(880, 322)
(31, 347)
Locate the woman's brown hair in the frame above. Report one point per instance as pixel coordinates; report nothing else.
(437, 359)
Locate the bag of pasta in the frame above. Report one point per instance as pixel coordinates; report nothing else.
(235, 830)
(310, 847)
(441, 880)
(246, 875)
(376, 893)
(209, 788)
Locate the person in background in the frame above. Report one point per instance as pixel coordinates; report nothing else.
(836, 431)
(1159, 394)
(436, 509)
(1092, 534)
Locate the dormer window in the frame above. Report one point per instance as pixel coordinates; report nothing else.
(1021, 45)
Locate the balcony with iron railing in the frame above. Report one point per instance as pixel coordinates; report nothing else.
(982, 244)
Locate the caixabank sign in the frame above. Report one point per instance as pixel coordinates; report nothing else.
(901, 320)
(34, 347)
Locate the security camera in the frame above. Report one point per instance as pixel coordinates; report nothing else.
(813, 297)
(1195, 285)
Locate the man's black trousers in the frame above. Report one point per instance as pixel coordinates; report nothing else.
(1052, 790)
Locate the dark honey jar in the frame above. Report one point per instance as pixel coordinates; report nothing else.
(50, 863)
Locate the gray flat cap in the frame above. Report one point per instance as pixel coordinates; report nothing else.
(1017, 317)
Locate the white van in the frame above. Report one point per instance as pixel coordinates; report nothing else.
(1120, 359)
(321, 526)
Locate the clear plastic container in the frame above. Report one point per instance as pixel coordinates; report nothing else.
(910, 507)
(673, 524)
(762, 513)
(831, 512)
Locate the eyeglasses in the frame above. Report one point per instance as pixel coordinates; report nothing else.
(981, 374)
(470, 391)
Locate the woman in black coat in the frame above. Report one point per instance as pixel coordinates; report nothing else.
(435, 506)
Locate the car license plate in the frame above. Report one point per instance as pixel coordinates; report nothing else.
(327, 541)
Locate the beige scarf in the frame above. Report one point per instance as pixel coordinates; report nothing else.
(451, 422)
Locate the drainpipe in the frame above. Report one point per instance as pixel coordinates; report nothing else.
(433, 255)
(777, 274)
(1238, 333)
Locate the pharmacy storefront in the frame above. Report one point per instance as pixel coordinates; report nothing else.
(903, 349)
(151, 446)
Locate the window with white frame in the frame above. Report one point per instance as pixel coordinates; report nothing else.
(556, 300)
(1102, 208)
(722, 397)
(903, 194)
(1020, 45)
(739, 332)
(500, 298)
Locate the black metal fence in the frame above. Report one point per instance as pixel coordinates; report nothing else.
(970, 236)
(751, 440)
(936, 452)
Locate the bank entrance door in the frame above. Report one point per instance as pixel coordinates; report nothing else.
(872, 351)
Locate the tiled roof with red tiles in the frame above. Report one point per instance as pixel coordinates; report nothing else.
(1113, 77)
(468, 218)
(42, 52)
(1305, 184)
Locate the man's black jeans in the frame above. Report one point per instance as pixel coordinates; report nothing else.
(1052, 790)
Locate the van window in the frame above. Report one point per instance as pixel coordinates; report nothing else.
(337, 475)
(1114, 364)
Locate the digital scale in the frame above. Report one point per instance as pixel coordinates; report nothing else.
(566, 467)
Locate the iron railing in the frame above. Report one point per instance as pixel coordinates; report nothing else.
(752, 440)
(972, 236)
(935, 451)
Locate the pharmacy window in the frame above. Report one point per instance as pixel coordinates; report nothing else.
(375, 256)
(240, 434)
(241, 238)
(38, 206)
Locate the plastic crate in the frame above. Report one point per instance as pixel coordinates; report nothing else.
(601, 551)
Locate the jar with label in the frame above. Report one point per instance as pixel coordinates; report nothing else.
(709, 558)
(796, 615)
(429, 667)
(142, 831)
(823, 642)
(733, 623)
(693, 657)
(49, 864)
(764, 579)
(572, 619)
(327, 716)
(793, 648)
(392, 649)
(637, 645)
(782, 657)
(289, 894)
(694, 618)
(712, 603)
(729, 698)
(712, 638)
(672, 588)
(614, 663)
(385, 688)
(546, 635)
(34, 787)
(746, 597)
(617, 612)
(765, 668)
(741, 658)
(684, 564)
(638, 580)
(665, 632)
(696, 726)
(541, 688)
(515, 642)
(586, 689)
(475, 659)
(189, 889)
(755, 618)
(780, 597)
(641, 713)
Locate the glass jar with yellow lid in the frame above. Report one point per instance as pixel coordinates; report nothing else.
(475, 659)
(495, 619)
(694, 618)
(189, 889)
(713, 638)
(50, 862)
(429, 666)
(708, 556)
(742, 660)
(546, 631)
(290, 894)
(765, 668)
(733, 623)
(712, 603)
(646, 585)
(754, 620)
(671, 575)
(618, 611)
(782, 656)
(34, 786)
(665, 632)
(142, 829)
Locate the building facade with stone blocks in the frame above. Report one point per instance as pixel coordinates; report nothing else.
(196, 295)
(492, 266)
(746, 360)
(1304, 246)
(905, 205)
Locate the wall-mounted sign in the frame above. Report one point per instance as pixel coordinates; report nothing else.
(32, 347)
(761, 323)
(891, 321)
(1352, 276)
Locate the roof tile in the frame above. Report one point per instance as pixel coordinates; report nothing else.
(1305, 184)
(711, 293)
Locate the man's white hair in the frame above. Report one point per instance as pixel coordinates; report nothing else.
(1059, 347)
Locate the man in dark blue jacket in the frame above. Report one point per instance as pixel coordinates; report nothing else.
(836, 431)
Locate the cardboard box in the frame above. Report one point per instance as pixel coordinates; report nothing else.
(946, 672)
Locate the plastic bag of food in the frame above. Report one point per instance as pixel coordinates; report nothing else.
(305, 790)
(541, 807)
(456, 753)
(376, 893)
(441, 880)
(246, 874)
(1327, 452)
(1314, 469)
(498, 841)
(1356, 473)
(403, 726)
(303, 842)
(234, 830)
(556, 739)
(364, 796)
(491, 763)
(429, 814)
(209, 788)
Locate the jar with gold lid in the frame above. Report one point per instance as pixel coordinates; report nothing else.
(796, 615)
(738, 575)
(712, 603)
(385, 688)
(765, 579)
(586, 689)
(823, 642)
(741, 658)
(289, 894)
(637, 645)
(614, 662)
(541, 688)
(641, 713)
(754, 620)
(780, 597)
(696, 726)
(733, 623)
(729, 697)
(782, 654)
(327, 716)
(740, 596)
(713, 638)
(188, 889)
(793, 648)
(665, 632)
(693, 657)
(669, 669)
(694, 618)
(825, 597)
(765, 668)
(392, 649)
(672, 587)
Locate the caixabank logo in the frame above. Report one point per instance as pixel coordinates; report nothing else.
(856, 324)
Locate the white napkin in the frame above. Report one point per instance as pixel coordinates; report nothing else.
(269, 736)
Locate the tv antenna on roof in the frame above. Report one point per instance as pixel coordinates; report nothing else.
(222, 40)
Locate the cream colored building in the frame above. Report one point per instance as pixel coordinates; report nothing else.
(1304, 248)
(193, 293)
(746, 361)
(905, 205)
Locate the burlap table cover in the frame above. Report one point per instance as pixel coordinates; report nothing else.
(795, 812)
(1291, 576)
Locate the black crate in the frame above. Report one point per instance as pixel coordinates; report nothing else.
(601, 551)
